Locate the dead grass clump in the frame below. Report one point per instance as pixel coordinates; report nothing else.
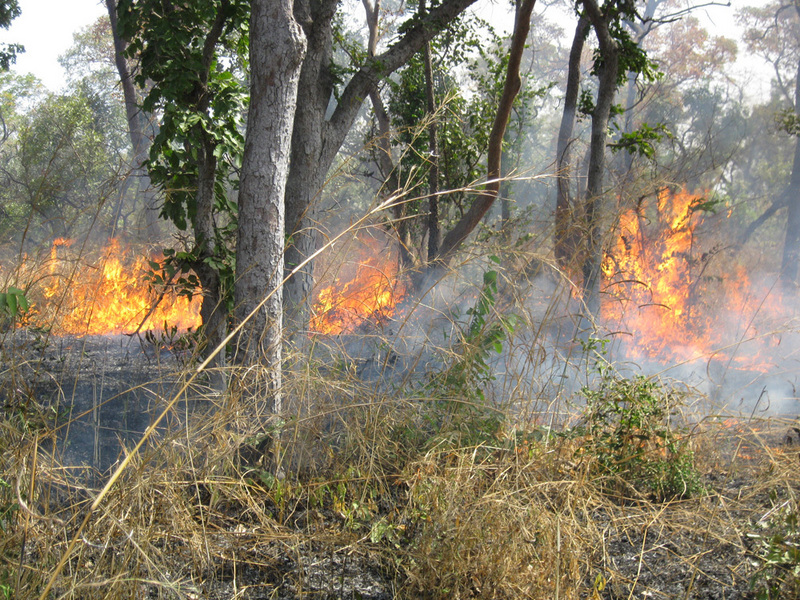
(498, 523)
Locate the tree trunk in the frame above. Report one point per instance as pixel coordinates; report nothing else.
(277, 48)
(566, 232)
(597, 155)
(212, 311)
(434, 233)
(484, 201)
(307, 175)
(791, 245)
(138, 124)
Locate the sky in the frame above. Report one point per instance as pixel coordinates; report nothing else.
(46, 27)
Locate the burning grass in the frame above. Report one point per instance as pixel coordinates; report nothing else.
(77, 291)
(678, 296)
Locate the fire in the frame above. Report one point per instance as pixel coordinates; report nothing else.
(367, 289)
(666, 300)
(111, 295)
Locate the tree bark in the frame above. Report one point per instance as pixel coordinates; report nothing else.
(484, 201)
(607, 86)
(138, 124)
(316, 141)
(566, 232)
(277, 48)
(434, 232)
(791, 244)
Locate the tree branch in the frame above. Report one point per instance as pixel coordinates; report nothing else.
(367, 78)
(511, 88)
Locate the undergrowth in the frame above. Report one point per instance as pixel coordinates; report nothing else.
(633, 434)
(429, 489)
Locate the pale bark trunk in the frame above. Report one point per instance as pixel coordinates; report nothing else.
(307, 175)
(277, 47)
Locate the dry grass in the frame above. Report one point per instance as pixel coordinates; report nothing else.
(377, 501)
(391, 487)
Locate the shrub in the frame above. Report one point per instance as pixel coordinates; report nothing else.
(630, 435)
(778, 556)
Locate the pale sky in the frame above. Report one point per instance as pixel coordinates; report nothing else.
(45, 28)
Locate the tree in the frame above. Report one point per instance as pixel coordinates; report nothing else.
(57, 163)
(472, 128)
(277, 47)
(194, 158)
(316, 139)
(617, 54)
(511, 87)
(9, 10)
(441, 130)
(566, 216)
(774, 33)
(140, 124)
(200, 105)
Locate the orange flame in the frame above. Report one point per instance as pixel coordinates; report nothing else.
(112, 295)
(665, 299)
(371, 293)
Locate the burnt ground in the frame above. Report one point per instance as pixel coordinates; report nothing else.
(101, 392)
(700, 548)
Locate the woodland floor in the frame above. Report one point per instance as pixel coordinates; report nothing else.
(262, 544)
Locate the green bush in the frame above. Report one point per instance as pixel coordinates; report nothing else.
(460, 386)
(630, 435)
(778, 556)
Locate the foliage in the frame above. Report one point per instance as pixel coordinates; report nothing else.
(641, 141)
(9, 10)
(778, 573)
(461, 385)
(788, 121)
(192, 60)
(464, 120)
(13, 305)
(629, 435)
(60, 161)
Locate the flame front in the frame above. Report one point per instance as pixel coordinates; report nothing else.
(371, 294)
(112, 295)
(667, 301)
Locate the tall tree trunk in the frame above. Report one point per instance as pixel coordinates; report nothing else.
(434, 232)
(307, 174)
(138, 124)
(791, 244)
(597, 155)
(277, 48)
(462, 229)
(566, 231)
